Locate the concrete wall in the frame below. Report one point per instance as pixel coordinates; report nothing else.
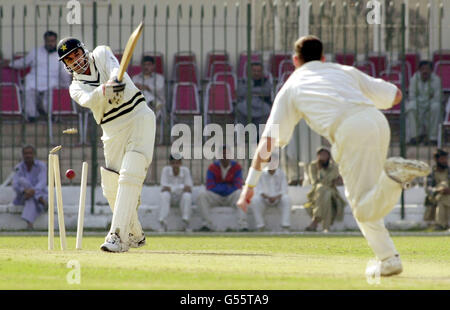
(224, 218)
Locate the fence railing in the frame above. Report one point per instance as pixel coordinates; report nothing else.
(238, 32)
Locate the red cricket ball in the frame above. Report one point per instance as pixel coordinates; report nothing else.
(70, 174)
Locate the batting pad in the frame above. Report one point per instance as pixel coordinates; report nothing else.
(130, 180)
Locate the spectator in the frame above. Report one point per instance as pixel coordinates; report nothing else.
(325, 204)
(261, 97)
(176, 188)
(272, 191)
(30, 185)
(424, 106)
(437, 201)
(46, 73)
(151, 84)
(223, 187)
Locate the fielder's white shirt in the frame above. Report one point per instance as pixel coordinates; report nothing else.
(46, 71)
(322, 93)
(87, 91)
(272, 185)
(176, 182)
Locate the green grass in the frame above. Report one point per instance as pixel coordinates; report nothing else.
(222, 262)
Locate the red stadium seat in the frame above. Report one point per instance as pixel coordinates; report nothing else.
(185, 100)
(441, 55)
(220, 66)
(242, 66)
(275, 60)
(392, 76)
(9, 75)
(213, 57)
(380, 63)
(62, 105)
(396, 66)
(218, 100)
(228, 78)
(186, 72)
(184, 57)
(365, 66)
(134, 70)
(413, 59)
(442, 69)
(285, 66)
(345, 59)
(10, 104)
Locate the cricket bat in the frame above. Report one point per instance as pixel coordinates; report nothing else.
(128, 52)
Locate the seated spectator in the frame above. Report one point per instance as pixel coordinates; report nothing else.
(223, 187)
(325, 204)
(261, 97)
(151, 84)
(424, 106)
(176, 183)
(272, 191)
(46, 73)
(437, 202)
(30, 185)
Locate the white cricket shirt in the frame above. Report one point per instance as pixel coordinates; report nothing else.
(322, 93)
(176, 182)
(272, 185)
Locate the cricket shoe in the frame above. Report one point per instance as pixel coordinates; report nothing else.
(114, 244)
(136, 242)
(388, 267)
(404, 171)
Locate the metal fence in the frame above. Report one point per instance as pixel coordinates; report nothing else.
(243, 31)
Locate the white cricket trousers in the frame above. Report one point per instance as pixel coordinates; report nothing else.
(184, 200)
(134, 135)
(259, 205)
(360, 147)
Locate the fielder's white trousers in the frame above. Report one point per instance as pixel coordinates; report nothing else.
(184, 200)
(360, 148)
(259, 204)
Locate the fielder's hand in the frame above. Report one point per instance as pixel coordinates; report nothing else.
(245, 198)
(113, 91)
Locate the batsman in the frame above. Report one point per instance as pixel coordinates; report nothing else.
(128, 125)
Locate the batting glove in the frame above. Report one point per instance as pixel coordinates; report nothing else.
(113, 91)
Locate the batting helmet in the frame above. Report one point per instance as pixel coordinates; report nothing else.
(67, 46)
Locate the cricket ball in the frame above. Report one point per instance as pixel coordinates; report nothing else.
(70, 174)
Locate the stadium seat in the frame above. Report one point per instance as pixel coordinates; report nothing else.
(441, 55)
(186, 72)
(242, 66)
(118, 54)
(285, 66)
(9, 75)
(230, 79)
(212, 57)
(392, 76)
(185, 101)
(159, 62)
(62, 105)
(413, 59)
(444, 126)
(23, 71)
(345, 59)
(134, 70)
(220, 66)
(218, 100)
(183, 56)
(284, 77)
(10, 103)
(442, 69)
(365, 66)
(380, 63)
(275, 60)
(396, 66)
